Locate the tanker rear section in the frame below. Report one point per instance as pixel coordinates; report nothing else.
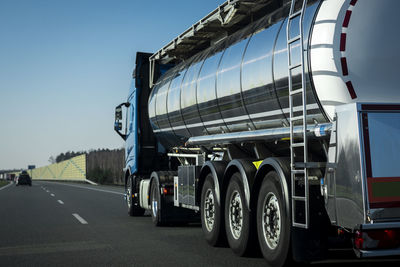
(274, 129)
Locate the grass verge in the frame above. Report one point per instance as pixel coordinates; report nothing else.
(3, 183)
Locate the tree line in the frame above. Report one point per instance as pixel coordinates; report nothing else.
(65, 156)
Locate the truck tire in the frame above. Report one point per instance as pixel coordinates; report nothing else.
(134, 208)
(237, 217)
(156, 205)
(211, 222)
(273, 226)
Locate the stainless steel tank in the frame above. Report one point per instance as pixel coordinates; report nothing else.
(241, 83)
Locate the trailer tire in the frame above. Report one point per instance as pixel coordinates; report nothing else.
(237, 217)
(156, 204)
(133, 206)
(273, 226)
(211, 222)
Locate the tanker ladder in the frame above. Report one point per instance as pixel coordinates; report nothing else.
(299, 167)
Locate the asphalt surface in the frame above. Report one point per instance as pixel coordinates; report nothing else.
(65, 224)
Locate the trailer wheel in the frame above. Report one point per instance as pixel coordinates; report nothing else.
(133, 206)
(237, 217)
(211, 222)
(156, 206)
(273, 226)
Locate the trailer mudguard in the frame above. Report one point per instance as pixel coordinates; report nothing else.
(247, 171)
(281, 167)
(217, 169)
(307, 244)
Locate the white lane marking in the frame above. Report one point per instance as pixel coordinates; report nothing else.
(4, 187)
(94, 189)
(79, 218)
(47, 191)
(90, 182)
(52, 195)
(60, 201)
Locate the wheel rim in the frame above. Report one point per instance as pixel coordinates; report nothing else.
(154, 204)
(235, 215)
(271, 220)
(129, 193)
(209, 210)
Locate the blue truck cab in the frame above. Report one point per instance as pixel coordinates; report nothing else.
(143, 153)
(130, 135)
(130, 130)
(132, 148)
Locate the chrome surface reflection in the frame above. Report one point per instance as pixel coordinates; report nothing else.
(239, 84)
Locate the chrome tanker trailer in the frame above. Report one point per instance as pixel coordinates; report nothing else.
(275, 122)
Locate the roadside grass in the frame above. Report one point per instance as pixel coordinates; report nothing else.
(3, 183)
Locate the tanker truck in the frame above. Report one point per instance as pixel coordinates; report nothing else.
(274, 123)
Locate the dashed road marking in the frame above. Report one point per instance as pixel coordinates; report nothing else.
(60, 201)
(79, 218)
(52, 195)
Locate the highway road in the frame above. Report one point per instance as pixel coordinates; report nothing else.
(68, 224)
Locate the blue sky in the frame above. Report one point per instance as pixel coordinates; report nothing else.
(65, 65)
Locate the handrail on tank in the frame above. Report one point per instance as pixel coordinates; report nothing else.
(209, 29)
(316, 131)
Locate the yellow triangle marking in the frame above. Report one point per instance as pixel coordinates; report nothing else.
(257, 164)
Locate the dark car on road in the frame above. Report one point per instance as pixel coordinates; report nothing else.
(24, 178)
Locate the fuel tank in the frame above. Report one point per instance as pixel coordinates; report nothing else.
(241, 82)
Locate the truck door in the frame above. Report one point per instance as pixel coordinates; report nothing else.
(131, 138)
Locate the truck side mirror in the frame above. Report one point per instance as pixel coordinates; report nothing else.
(118, 126)
(118, 120)
(118, 113)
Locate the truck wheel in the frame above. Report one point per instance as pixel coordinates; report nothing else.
(133, 204)
(273, 226)
(237, 217)
(156, 207)
(210, 213)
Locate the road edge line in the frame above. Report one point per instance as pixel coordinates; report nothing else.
(90, 182)
(4, 187)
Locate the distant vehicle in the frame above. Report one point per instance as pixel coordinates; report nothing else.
(24, 178)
